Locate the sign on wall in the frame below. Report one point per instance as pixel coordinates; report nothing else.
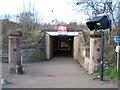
(117, 39)
(62, 29)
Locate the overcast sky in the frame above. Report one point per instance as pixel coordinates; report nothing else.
(61, 9)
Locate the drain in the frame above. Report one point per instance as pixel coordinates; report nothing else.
(50, 76)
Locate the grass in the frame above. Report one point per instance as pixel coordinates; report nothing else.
(110, 73)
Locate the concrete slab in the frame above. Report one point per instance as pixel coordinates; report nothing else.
(59, 72)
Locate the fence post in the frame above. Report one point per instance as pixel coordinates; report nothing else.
(14, 55)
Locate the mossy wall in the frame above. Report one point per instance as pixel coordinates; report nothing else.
(32, 55)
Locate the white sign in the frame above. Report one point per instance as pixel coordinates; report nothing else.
(117, 49)
(62, 30)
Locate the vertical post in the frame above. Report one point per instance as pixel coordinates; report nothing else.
(118, 59)
(118, 56)
(14, 53)
(95, 41)
(102, 52)
(117, 40)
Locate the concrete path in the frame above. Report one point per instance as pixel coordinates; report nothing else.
(57, 73)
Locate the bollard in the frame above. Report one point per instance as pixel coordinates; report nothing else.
(4, 81)
(19, 69)
(14, 52)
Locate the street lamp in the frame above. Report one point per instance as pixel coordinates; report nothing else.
(100, 23)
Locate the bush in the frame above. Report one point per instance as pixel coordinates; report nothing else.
(109, 73)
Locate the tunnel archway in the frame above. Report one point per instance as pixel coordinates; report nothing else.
(61, 45)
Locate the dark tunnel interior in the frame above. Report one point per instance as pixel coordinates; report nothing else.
(62, 45)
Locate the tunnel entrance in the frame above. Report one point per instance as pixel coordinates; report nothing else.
(61, 45)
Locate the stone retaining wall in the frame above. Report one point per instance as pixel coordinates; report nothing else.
(27, 55)
(32, 55)
(4, 55)
(83, 57)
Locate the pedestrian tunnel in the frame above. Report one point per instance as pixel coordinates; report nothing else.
(61, 45)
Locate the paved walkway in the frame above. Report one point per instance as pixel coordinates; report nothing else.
(57, 73)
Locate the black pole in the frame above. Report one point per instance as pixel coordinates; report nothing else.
(102, 52)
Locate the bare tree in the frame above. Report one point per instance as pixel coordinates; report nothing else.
(28, 18)
(6, 16)
(94, 8)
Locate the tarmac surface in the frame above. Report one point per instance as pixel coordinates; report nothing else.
(59, 72)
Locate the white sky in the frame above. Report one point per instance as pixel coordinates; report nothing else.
(61, 10)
